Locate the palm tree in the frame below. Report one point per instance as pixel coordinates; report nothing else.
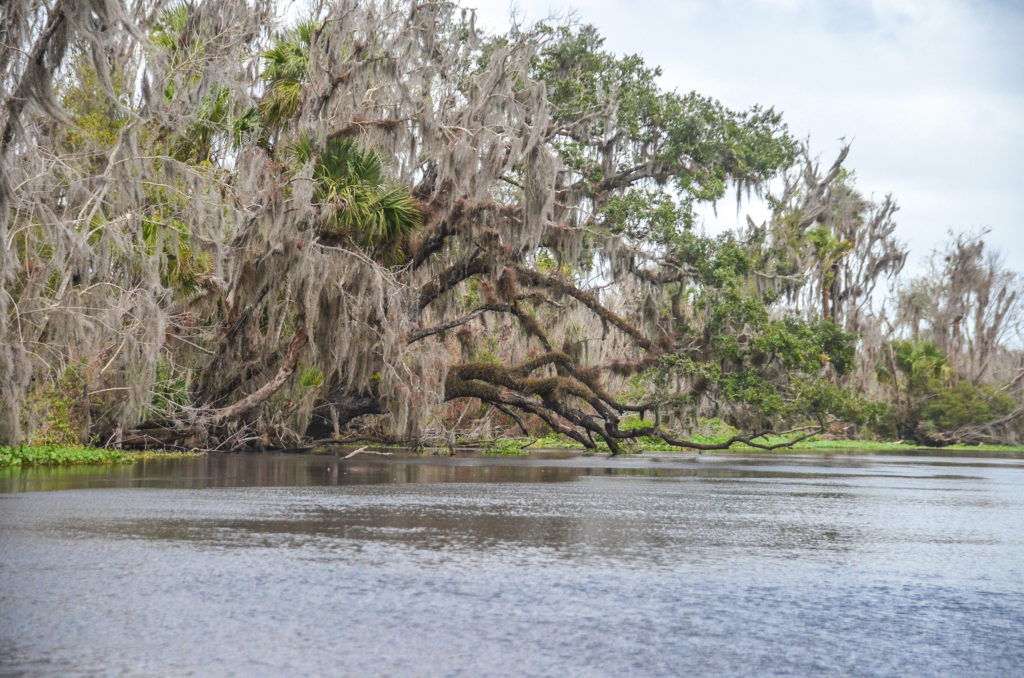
(360, 205)
(286, 72)
(179, 36)
(829, 251)
(351, 184)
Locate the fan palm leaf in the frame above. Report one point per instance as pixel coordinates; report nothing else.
(351, 186)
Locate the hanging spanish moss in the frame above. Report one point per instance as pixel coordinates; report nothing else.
(224, 231)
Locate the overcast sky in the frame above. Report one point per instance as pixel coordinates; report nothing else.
(929, 92)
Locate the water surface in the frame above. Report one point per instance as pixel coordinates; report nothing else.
(667, 565)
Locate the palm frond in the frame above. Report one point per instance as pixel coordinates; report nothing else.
(351, 186)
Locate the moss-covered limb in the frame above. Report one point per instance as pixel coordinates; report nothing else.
(486, 381)
(588, 300)
(431, 244)
(443, 220)
(657, 432)
(543, 360)
(604, 422)
(260, 396)
(588, 377)
(550, 389)
(480, 310)
(474, 264)
(463, 384)
(544, 396)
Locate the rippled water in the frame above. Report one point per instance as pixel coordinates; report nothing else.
(284, 565)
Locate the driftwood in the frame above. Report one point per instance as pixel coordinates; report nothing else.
(363, 450)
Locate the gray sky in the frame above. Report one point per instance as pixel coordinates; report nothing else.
(929, 92)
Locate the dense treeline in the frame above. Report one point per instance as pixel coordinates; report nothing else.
(382, 221)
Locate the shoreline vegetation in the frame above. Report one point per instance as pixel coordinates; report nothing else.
(69, 455)
(381, 221)
(81, 455)
(523, 447)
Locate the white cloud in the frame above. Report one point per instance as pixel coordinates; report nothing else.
(931, 92)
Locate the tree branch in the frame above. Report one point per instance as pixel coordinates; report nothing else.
(452, 276)
(260, 396)
(423, 334)
(587, 300)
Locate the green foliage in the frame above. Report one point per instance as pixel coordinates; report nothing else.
(97, 124)
(170, 391)
(471, 297)
(820, 398)
(285, 75)
(311, 377)
(806, 346)
(554, 441)
(505, 447)
(826, 246)
(713, 429)
(647, 215)
(932, 398)
(53, 454)
(965, 404)
(52, 415)
(689, 140)
(286, 66)
(921, 363)
(351, 187)
(64, 455)
(96, 120)
(782, 368)
(734, 349)
(183, 42)
(169, 32)
(167, 236)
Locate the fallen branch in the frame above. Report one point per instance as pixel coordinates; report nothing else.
(363, 450)
(270, 388)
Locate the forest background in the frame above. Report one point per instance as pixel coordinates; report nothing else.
(383, 222)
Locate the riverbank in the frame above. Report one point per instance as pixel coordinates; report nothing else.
(519, 446)
(64, 455)
(67, 455)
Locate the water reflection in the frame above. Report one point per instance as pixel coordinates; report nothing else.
(292, 470)
(316, 565)
(284, 470)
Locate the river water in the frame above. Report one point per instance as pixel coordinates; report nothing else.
(296, 565)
